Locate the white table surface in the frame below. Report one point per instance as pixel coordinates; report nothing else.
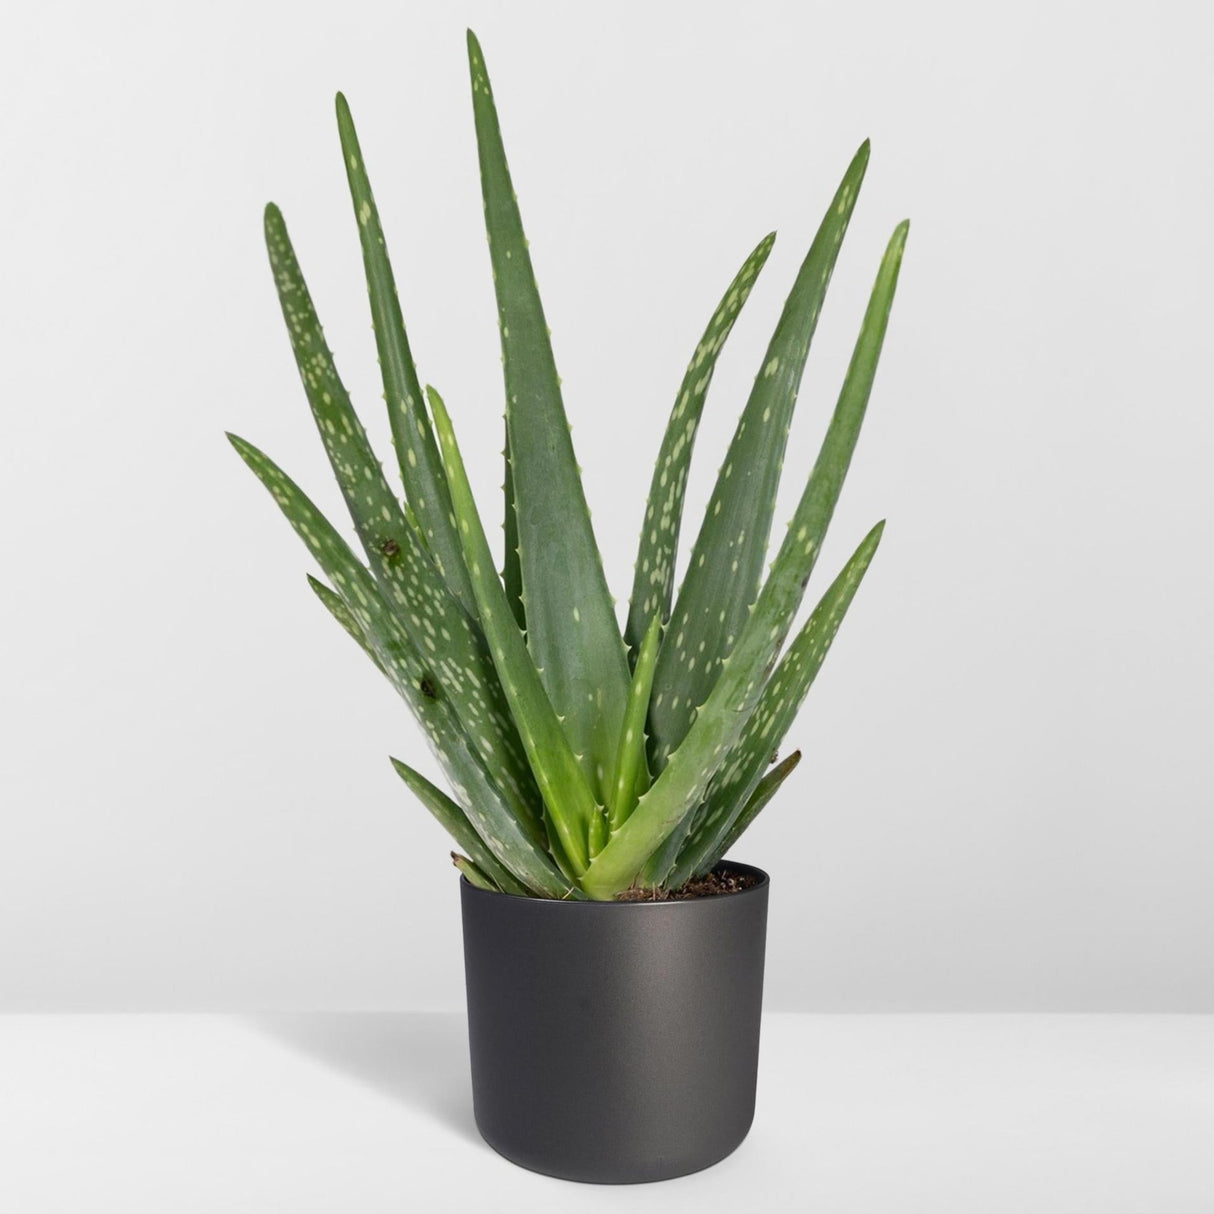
(356, 1114)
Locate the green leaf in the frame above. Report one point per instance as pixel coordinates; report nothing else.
(684, 781)
(342, 614)
(512, 572)
(726, 564)
(766, 788)
(474, 874)
(421, 469)
(570, 803)
(517, 843)
(454, 820)
(630, 776)
(653, 575)
(658, 867)
(436, 624)
(743, 674)
(777, 709)
(572, 631)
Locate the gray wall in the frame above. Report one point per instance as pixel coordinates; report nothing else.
(1006, 795)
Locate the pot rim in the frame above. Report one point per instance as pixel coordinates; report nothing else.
(762, 884)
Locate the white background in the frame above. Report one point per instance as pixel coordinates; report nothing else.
(1006, 796)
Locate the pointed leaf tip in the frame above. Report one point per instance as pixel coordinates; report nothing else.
(437, 407)
(273, 224)
(244, 448)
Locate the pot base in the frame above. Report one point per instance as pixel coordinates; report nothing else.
(666, 1169)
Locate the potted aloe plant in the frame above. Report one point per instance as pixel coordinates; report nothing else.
(598, 776)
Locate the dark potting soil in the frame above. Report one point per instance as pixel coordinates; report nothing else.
(698, 887)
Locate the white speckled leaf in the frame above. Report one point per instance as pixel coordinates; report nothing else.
(653, 574)
(682, 784)
(341, 613)
(737, 779)
(572, 631)
(438, 626)
(726, 563)
(421, 468)
(570, 803)
(764, 791)
(454, 819)
(517, 843)
(696, 844)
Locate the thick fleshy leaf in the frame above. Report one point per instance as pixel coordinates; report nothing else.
(630, 776)
(570, 804)
(421, 469)
(661, 862)
(726, 564)
(342, 614)
(411, 583)
(682, 784)
(572, 631)
(684, 781)
(454, 820)
(653, 575)
(764, 791)
(474, 874)
(516, 842)
(733, 785)
(512, 573)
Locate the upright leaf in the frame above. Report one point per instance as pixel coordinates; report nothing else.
(512, 573)
(684, 780)
(428, 611)
(681, 785)
(726, 564)
(570, 804)
(421, 469)
(630, 777)
(653, 574)
(764, 791)
(571, 627)
(662, 860)
(775, 712)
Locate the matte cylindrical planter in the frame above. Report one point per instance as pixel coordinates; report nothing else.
(614, 1041)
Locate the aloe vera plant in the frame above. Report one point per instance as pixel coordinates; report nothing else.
(584, 759)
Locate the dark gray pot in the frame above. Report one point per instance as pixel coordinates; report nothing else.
(614, 1041)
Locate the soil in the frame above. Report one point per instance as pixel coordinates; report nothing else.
(707, 886)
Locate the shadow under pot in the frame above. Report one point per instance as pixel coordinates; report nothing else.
(615, 1042)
